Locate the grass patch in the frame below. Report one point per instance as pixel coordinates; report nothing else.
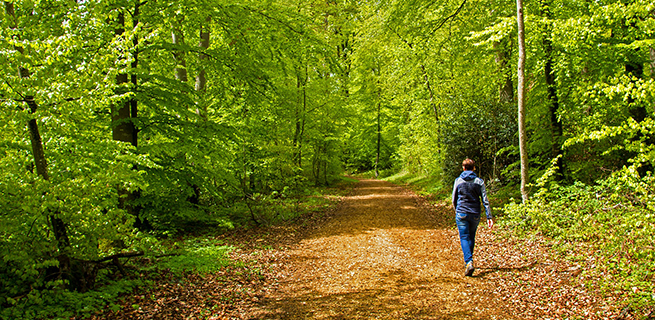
(425, 185)
(200, 255)
(266, 210)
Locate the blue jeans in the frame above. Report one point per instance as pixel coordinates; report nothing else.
(467, 225)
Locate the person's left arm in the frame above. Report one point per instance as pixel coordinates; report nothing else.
(454, 197)
(485, 202)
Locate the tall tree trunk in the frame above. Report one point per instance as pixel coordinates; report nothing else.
(180, 58)
(505, 87)
(57, 225)
(201, 78)
(301, 109)
(303, 117)
(181, 74)
(379, 130)
(652, 62)
(296, 133)
(553, 107)
(379, 136)
(133, 77)
(124, 129)
(123, 117)
(521, 102)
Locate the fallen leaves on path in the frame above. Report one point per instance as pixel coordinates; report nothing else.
(382, 253)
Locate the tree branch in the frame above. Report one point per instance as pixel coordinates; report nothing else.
(116, 256)
(446, 19)
(276, 20)
(409, 44)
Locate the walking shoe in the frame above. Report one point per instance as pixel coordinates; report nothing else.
(469, 269)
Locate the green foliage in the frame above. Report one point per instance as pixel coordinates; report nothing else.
(479, 131)
(201, 255)
(263, 129)
(295, 94)
(616, 217)
(55, 303)
(424, 185)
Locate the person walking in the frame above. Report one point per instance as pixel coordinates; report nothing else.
(469, 194)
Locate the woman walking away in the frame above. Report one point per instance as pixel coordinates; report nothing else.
(468, 194)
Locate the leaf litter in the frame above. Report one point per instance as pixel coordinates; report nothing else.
(382, 253)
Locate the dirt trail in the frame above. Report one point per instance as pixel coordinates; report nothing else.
(384, 255)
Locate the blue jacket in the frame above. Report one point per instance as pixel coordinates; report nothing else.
(467, 192)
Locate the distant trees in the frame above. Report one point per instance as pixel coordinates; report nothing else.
(582, 69)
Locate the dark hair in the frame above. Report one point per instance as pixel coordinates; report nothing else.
(468, 164)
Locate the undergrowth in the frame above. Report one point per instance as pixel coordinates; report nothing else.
(614, 218)
(281, 207)
(57, 303)
(177, 251)
(423, 184)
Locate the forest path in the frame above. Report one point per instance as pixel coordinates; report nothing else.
(384, 254)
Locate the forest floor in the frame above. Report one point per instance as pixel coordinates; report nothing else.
(382, 253)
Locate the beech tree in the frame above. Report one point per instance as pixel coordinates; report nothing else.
(521, 101)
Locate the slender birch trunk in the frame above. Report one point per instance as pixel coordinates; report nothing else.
(521, 102)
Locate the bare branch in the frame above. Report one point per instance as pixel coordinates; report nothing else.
(452, 16)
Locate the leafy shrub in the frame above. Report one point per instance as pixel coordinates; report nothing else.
(200, 255)
(56, 303)
(480, 131)
(616, 216)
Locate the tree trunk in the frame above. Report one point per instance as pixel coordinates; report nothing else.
(57, 225)
(124, 129)
(303, 115)
(301, 108)
(377, 155)
(133, 76)
(379, 133)
(201, 78)
(549, 73)
(521, 102)
(506, 87)
(180, 59)
(123, 116)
